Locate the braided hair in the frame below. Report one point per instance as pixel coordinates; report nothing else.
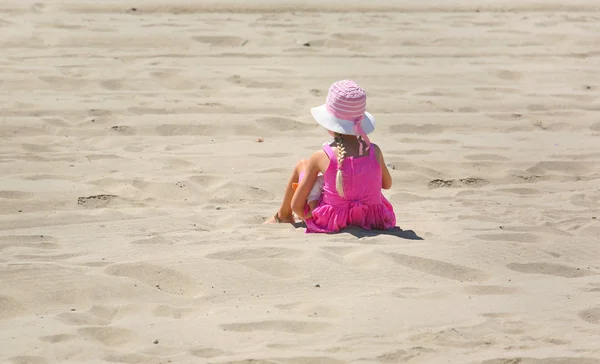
(341, 149)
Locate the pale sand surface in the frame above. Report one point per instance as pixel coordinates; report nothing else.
(132, 187)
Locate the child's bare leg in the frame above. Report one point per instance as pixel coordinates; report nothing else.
(311, 206)
(284, 214)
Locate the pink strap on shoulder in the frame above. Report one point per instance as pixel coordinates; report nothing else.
(329, 151)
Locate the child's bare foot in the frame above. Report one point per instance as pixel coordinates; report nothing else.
(278, 219)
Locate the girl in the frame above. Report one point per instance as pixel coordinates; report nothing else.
(354, 171)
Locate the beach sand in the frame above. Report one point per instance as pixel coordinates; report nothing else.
(133, 185)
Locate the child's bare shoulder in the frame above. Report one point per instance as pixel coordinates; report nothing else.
(378, 152)
(318, 155)
(319, 160)
(376, 148)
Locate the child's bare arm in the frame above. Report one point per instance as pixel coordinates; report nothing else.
(305, 186)
(386, 177)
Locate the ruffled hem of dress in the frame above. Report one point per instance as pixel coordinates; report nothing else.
(330, 219)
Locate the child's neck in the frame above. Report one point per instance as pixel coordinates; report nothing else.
(352, 146)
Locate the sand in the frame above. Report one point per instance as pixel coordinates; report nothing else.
(132, 185)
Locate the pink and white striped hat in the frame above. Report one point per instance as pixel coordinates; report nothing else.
(344, 111)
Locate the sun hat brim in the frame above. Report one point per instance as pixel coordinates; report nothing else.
(341, 126)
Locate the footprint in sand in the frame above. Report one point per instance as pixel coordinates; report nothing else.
(28, 359)
(184, 129)
(221, 41)
(418, 293)
(353, 41)
(81, 319)
(99, 112)
(405, 198)
(59, 338)
(123, 129)
(28, 241)
(509, 75)
(139, 111)
(270, 261)
(549, 269)
(463, 182)
(220, 188)
(305, 359)
(112, 85)
(108, 336)
(97, 201)
(282, 124)
(536, 107)
(48, 258)
(403, 356)
(162, 278)
(16, 195)
(207, 181)
(238, 80)
(172, 80)
(462, 337)
(521, 191)
(592, 315)
(171, 312)
(255, 253)
(155, 240)
(467, 110)
(111, 313)
(499, 315)
(433, 93)
(356, 37)
(97, 264)
(548, 360)
(523, 177)
(64, 84)
(439, 268)
(490, 290)
(255, 361)
(278, 268)
(96, 316)
(295, 327)
(37, 148)
(593, 288)
(206, 353)
(507, 31)
(133, 359)
(309, 309)
(235, 79)
(486, 157)
(357, 258)
(566, 167)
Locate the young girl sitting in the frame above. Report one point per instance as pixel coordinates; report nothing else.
(354, 171)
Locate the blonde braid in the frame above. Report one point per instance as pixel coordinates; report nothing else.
(341, 149)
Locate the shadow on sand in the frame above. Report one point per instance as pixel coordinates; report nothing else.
(395, 231)
(362, 233)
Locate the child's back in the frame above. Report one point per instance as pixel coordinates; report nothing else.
(362, 203)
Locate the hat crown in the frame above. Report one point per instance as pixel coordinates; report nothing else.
(347, 100)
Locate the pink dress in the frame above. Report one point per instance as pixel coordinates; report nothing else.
(363, 204)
